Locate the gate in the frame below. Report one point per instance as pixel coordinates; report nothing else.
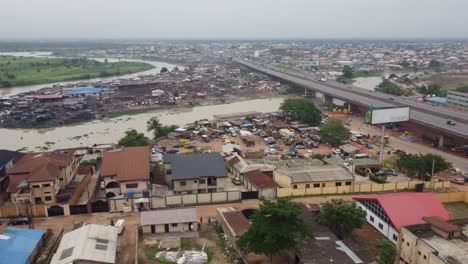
(78, 209)
(249, 195)
(55, 210)
(99, 206)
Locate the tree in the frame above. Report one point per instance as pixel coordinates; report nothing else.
(133, 139)
(435, 64)
(419, 165)
(158, 129)
(341, 217)
(249, 118)
(405, 64)
(387, 252)
(302, 110)
(389, 87)
(275, 228)
(347, 72)
(175, 69)
(176, 93)
(334, 132)
(164, 69)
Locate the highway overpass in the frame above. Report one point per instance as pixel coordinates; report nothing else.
(420, 113)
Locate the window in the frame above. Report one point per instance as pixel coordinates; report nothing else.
(131, 185)
(425, 257)
(36, 186)
(202, 181)
(48, 198)
(323, 184)
(371, 219)
(395, 237)
(380, 225)
(348, 183)
(46, 185)
(183, 183)
(316, 185)
(61, 179)
(294, 186)
(419, 253)
(174, 225)
(38, 200)
(338, 184)
(407, 243)
(307, 185)
(402, 240)
(47, 192)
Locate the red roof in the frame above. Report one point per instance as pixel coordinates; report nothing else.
(406, 209)
(260, 179)
(237, 222)
(127, 164)
(50, 96)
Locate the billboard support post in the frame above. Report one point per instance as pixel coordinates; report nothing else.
(382, 143)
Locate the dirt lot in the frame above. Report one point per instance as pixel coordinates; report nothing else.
(457, 210)
(126, 242)
(208, 240)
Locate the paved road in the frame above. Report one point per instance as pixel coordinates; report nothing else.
(429, 116)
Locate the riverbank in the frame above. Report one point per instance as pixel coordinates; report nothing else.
(111, 130)
(22, 71)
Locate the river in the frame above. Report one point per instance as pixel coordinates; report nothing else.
(7, 92)
(111, 130)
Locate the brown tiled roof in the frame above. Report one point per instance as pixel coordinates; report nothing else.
(442, 224)
(260, 179)
(127, 164)
(234, 161)
(238, 222)
(35, 167)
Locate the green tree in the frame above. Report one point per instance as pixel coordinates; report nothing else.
(386, 86)
(387, 252)
(435, 64)
(163, 70)
(158, 129)
(249, 119)
(175, 69)
(405, 64)
(348, 72)
(334, 132)
(275, 228)
(341, 217)
(302, 110)
(133, 139)
(419, 165)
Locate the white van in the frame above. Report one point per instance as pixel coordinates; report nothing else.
(120, 225)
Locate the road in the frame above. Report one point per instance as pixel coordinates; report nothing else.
(429, 116)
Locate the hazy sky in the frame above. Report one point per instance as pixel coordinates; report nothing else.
(233, 19)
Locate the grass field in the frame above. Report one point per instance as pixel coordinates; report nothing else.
(17, 71)
(458, 210)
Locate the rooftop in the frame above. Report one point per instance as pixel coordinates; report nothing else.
(127, 164)
(84, 90)
(260, 179)
(194, 166)
(92, 243)
(310, 173)
(17, 244)
(8, 155)
(405, 209)
(168, 216)
(237, 222)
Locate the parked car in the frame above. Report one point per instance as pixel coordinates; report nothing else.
(353, 138)
(460, 181)
(19, 221)
(336, 151)
(369, 146)
(236, 181)
(300, 147)
(172, 151)
(120, 225)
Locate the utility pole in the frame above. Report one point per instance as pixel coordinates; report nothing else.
(432, 173)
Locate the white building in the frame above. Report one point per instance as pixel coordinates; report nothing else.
(388, 213)
(87, 244)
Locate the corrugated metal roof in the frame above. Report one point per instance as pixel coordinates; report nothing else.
(17, 244)
(194, 166)
(168, 216)
(91, 242)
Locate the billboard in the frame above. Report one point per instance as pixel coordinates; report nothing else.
(387, 115)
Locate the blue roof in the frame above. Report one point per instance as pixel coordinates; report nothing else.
(84, 90)
(437, 100)
(20, 245)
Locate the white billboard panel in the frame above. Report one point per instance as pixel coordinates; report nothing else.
(390, 115)
(338, 102)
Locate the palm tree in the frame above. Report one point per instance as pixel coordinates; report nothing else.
(155, 126)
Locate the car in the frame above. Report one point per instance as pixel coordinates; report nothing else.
(391, 98)
(274, 146)
(176, 146)
(120, 225)
(369, 146)
(386, 172)
(353, 138)
(450, 122)
(236, 181)
(460, 181)
(360, 141)
(300, 146)
(172, 151)
(102, 186)
(190, 147)
(19, 221)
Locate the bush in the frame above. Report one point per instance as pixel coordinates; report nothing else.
(378, 179)
(360, 171)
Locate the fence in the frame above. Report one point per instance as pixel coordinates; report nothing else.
(38, 210)
(117, 205)
(452, 197)
(360, 188)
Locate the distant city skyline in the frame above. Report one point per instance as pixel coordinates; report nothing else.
(239, 19)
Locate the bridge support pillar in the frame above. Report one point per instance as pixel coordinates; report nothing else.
(441, 141)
